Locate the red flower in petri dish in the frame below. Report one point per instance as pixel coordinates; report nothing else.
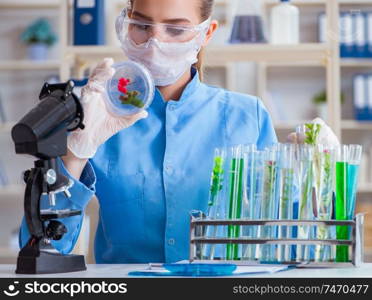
(122, 85)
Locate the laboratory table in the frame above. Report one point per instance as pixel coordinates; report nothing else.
(122, 270)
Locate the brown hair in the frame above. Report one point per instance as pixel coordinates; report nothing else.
(206, 9)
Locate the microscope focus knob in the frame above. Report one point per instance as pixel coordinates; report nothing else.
(55, 230)
(26, 175)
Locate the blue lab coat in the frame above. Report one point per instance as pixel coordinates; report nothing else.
(149, 177)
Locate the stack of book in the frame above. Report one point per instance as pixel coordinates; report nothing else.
(355, 33)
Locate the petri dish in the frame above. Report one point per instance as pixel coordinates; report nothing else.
(130, 90)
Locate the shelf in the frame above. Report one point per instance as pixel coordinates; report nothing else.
(321, 2)
(355, 62)
(345, 63)
(346, 125)
(6, 127)
(355, 2)
(219, 54)
(7, 253)
(265, 53)
(365, 188)
(29, 4)
(289, 125)
(356, 125)
(14, 65)
(11, 191)
(299, 2)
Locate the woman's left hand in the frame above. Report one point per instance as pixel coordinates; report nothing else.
(326, 135)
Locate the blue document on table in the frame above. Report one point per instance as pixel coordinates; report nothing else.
(211, 269)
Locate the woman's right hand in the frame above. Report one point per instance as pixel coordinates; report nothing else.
(99, 123)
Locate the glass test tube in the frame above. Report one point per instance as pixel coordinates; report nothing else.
(252, 199)
(342, 252)
(324, 173)
(306, 180)
(235, 200)
(216, 205)
(355, 157)
(286, 190)
(268, 205)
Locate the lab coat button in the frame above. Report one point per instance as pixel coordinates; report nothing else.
(169, 169)
(171, 242)
(172, 107)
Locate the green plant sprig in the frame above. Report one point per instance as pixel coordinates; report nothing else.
(217, 179)
(132, 99)
(312, 133)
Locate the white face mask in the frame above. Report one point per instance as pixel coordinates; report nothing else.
(166, 61)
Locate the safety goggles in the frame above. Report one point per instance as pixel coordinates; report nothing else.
(141, 31)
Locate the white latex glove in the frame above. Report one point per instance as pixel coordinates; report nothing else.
(326, 135)
(100, 124)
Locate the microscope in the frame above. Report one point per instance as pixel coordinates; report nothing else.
(43, 133)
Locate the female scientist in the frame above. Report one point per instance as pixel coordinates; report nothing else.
(151, 169)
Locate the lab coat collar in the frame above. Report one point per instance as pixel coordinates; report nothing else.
(190, 89)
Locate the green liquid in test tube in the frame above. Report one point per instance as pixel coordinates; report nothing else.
(235, 200)
(342, 252)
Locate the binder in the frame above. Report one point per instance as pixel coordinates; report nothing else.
(369, 96)
(322, 28)
(369, 34)
(360, 35)
(89, 22)
(4, 180)
(343, 51)
(360, 95)
(2, 112)
(348, 27)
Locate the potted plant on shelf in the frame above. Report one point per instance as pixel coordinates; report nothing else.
(38, 37)
(320, 101)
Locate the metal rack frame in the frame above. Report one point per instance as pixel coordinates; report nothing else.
(197, 224)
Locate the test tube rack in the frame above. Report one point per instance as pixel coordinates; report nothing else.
(198, 225)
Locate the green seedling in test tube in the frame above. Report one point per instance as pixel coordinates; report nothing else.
(215, 203)
(286, 183)
(268, 203)
(324, 184)
(217, 180)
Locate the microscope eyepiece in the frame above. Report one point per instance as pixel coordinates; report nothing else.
(42, 132)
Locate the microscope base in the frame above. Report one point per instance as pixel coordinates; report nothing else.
(50, 263)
